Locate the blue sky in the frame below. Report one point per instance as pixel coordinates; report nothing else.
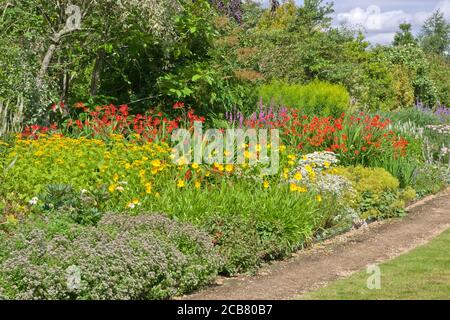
(380, 18)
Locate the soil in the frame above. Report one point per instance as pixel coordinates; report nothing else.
(339, 257)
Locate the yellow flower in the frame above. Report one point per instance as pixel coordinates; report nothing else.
(247, 154)
(195, 166)
(142, 173)
(302, 190)
(229, 168)
(135, 201)
(282, 148)
(127, 166)
(291, 157)
(319, 198)
(181, 184)
(293, 187)
(156, 163)
(197, 184)
(112, 188)
(266, 184)
(148, 187)
(286, 173)
(305, 158)
(298, 176)
(326, 164)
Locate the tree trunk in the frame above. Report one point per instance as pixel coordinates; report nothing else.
(95, 80)
(44, 66)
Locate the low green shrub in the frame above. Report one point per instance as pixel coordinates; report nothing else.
(430, 179)
(244, 243)
(315, 98)
(379, 195)
(140, 257)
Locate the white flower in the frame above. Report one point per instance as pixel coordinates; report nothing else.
(33, 201)
(131, 205)
(120, 189)
(84, 191)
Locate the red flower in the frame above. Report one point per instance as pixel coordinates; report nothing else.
(178, 105)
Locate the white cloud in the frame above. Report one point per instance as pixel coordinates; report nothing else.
(373, 19)
(444, 6)
(383, 37)
(381, 26)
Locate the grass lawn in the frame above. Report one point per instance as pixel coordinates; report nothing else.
(424, 273)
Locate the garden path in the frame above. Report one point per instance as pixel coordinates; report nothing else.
(338, 257)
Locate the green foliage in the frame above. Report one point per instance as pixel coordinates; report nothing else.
(403, 88)
(141, 257)
(404, 36)
(435, 36)
(314, 98)
(379, 193)
(244, 243)
(414, 61)
(430, 179)
(440, 74)
(81, 207)
(412, 115)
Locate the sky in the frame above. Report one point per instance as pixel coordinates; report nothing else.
(380, 18)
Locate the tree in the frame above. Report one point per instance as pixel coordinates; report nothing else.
(233, 8)
(404, 36)
(315, 15)
(435, 35)
(274, 4)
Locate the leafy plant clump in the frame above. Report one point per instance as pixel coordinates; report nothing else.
(314, 98)
(379, 195)
(140, 257)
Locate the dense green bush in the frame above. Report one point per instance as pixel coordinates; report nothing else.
(413, 61)
(244, 243)
(379, 195)
(316, 97)
(141, 257)
(430, 179)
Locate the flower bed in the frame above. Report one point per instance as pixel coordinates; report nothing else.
(63, 186)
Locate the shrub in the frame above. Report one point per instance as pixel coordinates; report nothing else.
(314, 98)
(379, 193)
(430, 179)
(141, 257)
(244, 243)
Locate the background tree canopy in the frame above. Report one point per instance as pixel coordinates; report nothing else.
(213, 55)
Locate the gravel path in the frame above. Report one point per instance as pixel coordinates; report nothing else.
(338, 257)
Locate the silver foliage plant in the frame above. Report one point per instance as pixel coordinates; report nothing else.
(142, 257)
